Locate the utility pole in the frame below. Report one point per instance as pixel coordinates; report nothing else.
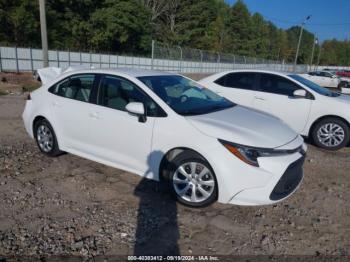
(298, 47)
(278, 53)
(313, 50)
(44, 45)
(152, 58)
(319, 57)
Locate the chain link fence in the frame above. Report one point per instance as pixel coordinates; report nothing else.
(188, 60)
(162, 57)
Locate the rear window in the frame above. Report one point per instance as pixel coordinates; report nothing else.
(77, 87)
(237, 80)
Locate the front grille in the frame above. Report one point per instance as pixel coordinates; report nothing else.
(289, 181)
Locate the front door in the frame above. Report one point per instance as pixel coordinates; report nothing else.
(275, 96)
(118, 136)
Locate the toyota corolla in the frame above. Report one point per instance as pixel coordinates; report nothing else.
(168, 128)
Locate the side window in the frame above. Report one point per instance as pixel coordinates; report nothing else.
(277, 85)
(238, 80)
(325, 74)
(221, 81)
(77, 87)
(116, 93)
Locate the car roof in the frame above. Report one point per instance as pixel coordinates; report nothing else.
(258, 71)
(133, 72)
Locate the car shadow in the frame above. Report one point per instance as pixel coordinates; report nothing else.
(157, 231)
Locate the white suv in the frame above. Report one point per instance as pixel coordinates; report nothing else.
(166, 127)
(309, 109)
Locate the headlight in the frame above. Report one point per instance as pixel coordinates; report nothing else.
(250, 155)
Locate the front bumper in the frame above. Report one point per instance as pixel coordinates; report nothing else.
(276, 178)
(289, 181)
(276, 189)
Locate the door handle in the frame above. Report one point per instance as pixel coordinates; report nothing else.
(259, 98)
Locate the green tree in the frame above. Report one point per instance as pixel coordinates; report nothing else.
(68, 23)
(217, 38)
(193, 20)
(120, 25)
(240, 30)
(335, 52)
(19, 22)
(260, 41)
(305, 45)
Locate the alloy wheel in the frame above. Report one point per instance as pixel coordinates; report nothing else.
(193, 182)
(45, 138)
(331, 134)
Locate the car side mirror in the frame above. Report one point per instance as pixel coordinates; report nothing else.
(138, 109)
(300, 93)
(334, 76)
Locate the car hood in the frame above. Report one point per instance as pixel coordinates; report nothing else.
(244, 126)
(343, 98)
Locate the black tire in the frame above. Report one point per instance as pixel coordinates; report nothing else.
(335, 121)
(343, 84)
(188, 157)
(54, 149)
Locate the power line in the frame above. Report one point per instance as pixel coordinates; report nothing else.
(338, 24)
(312, 24)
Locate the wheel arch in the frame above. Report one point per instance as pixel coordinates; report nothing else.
(170, 155)
(42, 117)
(36, 119)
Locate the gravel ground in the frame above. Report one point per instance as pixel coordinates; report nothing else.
(72, 206)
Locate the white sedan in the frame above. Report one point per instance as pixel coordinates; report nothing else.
(309, 109)
(166, 127)
(326, 79)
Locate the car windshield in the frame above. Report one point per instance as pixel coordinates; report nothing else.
(319, 89)
(184, 96)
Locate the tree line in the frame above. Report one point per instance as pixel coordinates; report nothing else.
(128, 26)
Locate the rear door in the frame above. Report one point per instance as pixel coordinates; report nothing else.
(238, 87)
(70, 104)
(275, 96)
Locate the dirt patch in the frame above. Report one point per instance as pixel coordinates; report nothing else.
(13, 83)
(71, 206)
